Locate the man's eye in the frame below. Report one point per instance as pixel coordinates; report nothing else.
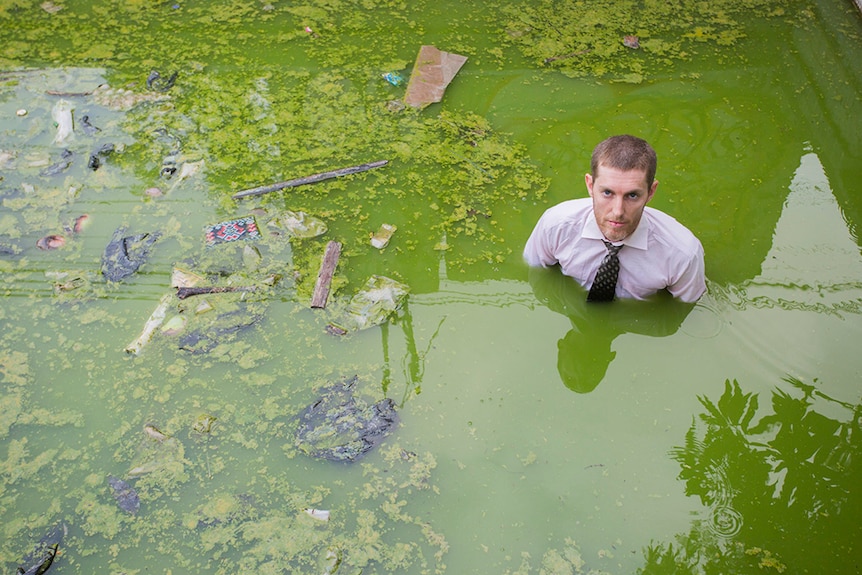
(633, 195)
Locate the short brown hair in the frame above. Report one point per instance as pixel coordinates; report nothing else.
(625, 153)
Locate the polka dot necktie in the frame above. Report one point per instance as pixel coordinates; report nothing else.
(605, 283)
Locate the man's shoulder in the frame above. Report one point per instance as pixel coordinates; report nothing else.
(667, 230)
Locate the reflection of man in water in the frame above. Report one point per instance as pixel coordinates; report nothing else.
(584, 353)
(654, 252)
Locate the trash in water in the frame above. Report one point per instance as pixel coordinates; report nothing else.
(99, 155)
(51, 242)
(298, 224)
(155, 433)
(223, 328)
(432, 73)
(251, 257)
(204, 423)
(89, 128)
(127, 498)
(232, 230)
(40, 559)
(184, 278)
(60, 166)
(62, 115)
(175, 325)
(372, 305)
(156, 82)
(340, 426)
(120, 99)
(381, 238)
(188, 170)
(152, 324)
(125, 254)
(393, 78)
(320, 514)
(81, 223)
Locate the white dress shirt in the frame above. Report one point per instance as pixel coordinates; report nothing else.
(660, 254)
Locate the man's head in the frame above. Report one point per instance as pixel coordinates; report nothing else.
(621, 182)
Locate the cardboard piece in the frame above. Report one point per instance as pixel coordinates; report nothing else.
(432, 73)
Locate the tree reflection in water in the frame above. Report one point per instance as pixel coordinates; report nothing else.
(782, 492)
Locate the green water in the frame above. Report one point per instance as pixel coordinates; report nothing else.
(537, 434)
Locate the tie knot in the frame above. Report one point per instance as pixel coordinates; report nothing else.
(612, 249)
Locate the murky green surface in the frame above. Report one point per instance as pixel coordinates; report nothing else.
(536, 434)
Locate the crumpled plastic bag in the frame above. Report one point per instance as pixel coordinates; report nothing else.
(379, 298)
(298, 224)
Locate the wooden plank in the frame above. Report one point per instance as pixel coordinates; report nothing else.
(309, 179)
(324, 276)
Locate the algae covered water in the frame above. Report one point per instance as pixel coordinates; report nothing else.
(534, 434)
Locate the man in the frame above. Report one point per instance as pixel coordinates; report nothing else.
(640, 250)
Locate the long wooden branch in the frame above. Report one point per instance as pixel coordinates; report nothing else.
(313, 179)
(184, 292)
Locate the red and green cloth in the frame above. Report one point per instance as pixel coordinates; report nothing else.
(232, 230)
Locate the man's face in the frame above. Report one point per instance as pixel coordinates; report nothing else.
(618, 200)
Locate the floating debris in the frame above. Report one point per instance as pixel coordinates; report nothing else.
(188, 170)
(319, 514)
(372, 305)
(393, 78)
(60, 166)
(125, 254)
(298, 224)
(89, 128)
(330, 561)
(153, 323)
(432, 73)
(251, 257)
(126, 496)
(62, 115)
(122, 100)
(175, 325)
(45, 552)
(51, 242)
(313, 179)
(154, 433)
(81, 223)
(324, 276)
(381, 238)
(181, 278)
(204, 423)
(184, 292)
(338, 426)
(220, 329)
(631, 42)
(232, 230)
(156, 82)
(99, 155)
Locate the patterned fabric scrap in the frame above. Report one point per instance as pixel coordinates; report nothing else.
(232, 230)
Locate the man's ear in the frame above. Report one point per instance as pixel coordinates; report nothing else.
(588, 179)
(651, 192)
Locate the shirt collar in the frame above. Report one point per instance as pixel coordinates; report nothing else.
(637, 240)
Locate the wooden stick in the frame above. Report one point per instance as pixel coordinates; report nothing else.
(184, 292)
(324, 277)
(313, 179)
